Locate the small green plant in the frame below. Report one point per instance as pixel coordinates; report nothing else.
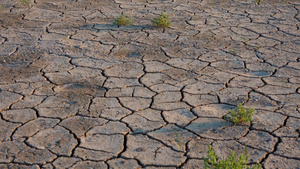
(233, 51)
(258, 47)
(122, 20)
(257, 2)
(229, 163)
(240, 115)
(26, 2)
(177, 141)
(67, 35)
(162, 20)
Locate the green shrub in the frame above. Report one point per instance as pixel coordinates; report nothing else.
(230, 162)
(161, 21)
(122, 20)
(240, 115)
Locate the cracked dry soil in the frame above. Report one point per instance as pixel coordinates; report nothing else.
(77, 91)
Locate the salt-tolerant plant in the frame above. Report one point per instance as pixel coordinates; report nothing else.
(162, 20)
(212, 161)
(122, 20)
(240, 115)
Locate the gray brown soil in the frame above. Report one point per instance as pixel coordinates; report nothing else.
(77, 91)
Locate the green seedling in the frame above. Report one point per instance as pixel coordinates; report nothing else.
(67, 35)
(161, 21)
(240, 115)
(122, 21)
(257, 2)
(26, 2)
(212, 162)
(245, 39)
(177, 141)
(258, 47)
(233, 51)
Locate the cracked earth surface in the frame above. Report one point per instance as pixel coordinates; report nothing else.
(77, 91)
